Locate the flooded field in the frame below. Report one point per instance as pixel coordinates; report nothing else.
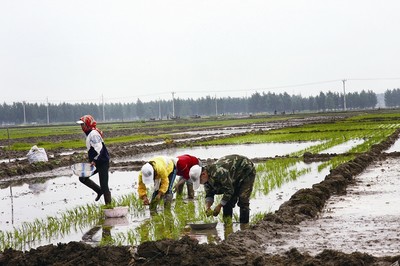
(263, 150)
(365, 219)
(30, 201)
(335, 203)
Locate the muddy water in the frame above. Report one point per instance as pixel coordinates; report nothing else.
(395, 147)
(366, 219)
(344, 147)
(249, 150)
(27, 202)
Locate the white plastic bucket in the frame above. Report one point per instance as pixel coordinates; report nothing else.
(83, 169)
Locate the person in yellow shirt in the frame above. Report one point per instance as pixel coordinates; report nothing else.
(160, 171)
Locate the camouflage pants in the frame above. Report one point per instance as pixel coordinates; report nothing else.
(243, 191)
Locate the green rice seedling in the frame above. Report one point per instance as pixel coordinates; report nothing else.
(167, 224)
(117, 239)
(273, 173)
(185, 212)
(255, 218)
(52, 226)
(106, 238)
(334, 162)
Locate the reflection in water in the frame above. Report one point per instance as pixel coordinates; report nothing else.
(37, 188)
(117, 221)
(12, 206)
(228, 229)
(161, 225)
(211, 235)
(26, 206)
(105, 225)
(89, 235)
(173, 224)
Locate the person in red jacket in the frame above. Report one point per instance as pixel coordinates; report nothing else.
(183, 165)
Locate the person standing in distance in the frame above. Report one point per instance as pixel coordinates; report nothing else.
(231, 175)
(98, 156)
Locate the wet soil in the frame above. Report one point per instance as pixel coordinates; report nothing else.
(269, 242)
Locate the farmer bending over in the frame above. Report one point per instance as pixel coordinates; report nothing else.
(183, 165)
(160, 171)
(233, 176)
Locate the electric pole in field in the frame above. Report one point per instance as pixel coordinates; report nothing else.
(344, 94)
(159, 109)
(48, 118)
(23, 107)
(173, 105)
(104, 116)
(216, 106)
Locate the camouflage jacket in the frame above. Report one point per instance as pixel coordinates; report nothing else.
(226, 175)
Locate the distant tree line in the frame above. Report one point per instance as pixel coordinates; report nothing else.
(392, 98)
(21, 112)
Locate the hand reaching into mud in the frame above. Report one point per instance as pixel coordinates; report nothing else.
(146, 201)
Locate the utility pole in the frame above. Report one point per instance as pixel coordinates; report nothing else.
(104, 116)
(23, 107)
(216, 106)
(173, 105)
(344, 94)
(159, 109)
(48, 119)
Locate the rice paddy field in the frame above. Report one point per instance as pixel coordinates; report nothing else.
(47, 205)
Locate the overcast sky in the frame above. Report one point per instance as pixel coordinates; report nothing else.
(122, 50)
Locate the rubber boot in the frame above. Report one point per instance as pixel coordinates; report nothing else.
(190, 191)
(93, 186)
(244, 216)
(168, 201)
(107, 198)
(227, 213)
(179, 189)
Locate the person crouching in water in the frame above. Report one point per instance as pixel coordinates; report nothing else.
(231, 175)
(98, 157)
(183, 165)
(160, 171)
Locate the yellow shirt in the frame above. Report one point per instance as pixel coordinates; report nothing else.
(163, 167)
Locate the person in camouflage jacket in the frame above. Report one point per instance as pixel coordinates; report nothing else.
(233, 176)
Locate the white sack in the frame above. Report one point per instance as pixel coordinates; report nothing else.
(37, 155)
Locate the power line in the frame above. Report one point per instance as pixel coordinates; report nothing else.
(127, 98)
(377, 79)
